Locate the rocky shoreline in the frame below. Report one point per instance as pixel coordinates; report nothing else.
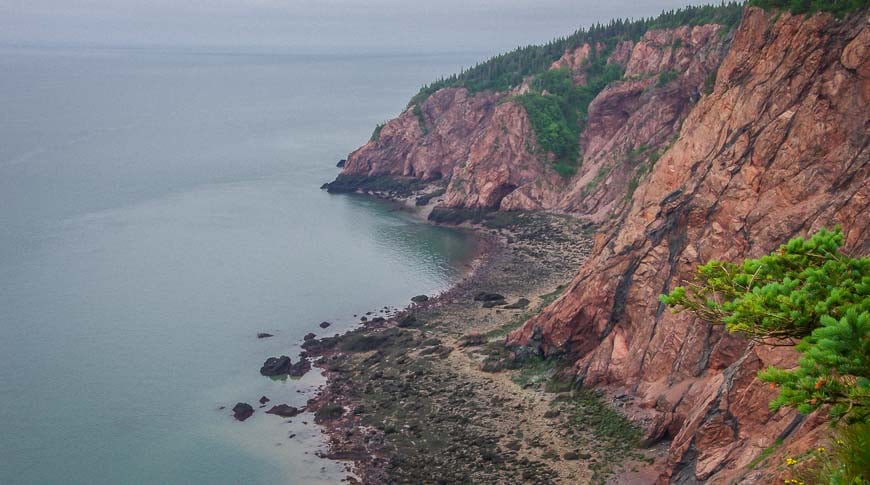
(432, 395)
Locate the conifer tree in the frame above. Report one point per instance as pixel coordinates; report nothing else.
(807, 294)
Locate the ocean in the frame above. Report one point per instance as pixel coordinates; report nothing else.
(158, 209)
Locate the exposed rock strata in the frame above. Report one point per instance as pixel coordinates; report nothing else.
(778, 150)
(678, 175)
(484, 148)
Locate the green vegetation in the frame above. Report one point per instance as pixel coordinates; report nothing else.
(710, 82)
(613, 436)
(764, 454)
(834, 369)
(508, 70)
(376, 135)
(557, 109)
(807, 294)
(666, 77)
(779, 298)
(534, 370)
(847, 462)
(418, 112)
(838, 7)
(602, 174)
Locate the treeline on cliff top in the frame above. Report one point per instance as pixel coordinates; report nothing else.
(838, 7)
(508, 70)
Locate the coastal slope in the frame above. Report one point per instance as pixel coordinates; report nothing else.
(715, 143)
(777, 150)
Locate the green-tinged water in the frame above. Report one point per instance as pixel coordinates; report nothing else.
(157, 210)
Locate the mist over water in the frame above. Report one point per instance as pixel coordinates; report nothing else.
(158, 209)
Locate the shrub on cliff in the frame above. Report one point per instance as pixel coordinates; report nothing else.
(808, 294)
(557, 109)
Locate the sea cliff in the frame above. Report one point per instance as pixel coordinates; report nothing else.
(716, 141)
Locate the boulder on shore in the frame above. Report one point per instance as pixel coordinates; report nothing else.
(519, 305)
(242, 411)
(408, 320)
(300, 368)
(420, 298)
(485, 296)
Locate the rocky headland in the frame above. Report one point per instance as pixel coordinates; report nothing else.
(717, 140)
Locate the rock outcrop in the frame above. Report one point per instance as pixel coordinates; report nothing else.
(630, 123)
(714, 145)
(777, 150)
(483, 149)
(242, 411)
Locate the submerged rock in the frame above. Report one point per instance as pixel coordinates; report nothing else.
(309, 336)
(242, 411)
(264, 335)
(264, 400)
(324, 324)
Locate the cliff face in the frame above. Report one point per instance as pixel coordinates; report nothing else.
(778, 149)
(715, 145)
(484, 146)
(630, 123)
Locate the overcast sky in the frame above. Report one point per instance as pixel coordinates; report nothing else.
(311, 25)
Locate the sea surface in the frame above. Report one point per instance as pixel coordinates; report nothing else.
(158, 208)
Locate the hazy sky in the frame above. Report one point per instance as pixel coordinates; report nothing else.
(311, 25)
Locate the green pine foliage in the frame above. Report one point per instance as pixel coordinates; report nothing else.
(506, 71)
(781, 297)
(834, 369)
(838, 7)
(418, 112)
(666, 77)
(808, 294)
(376, 134)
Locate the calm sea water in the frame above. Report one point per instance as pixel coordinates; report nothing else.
(157, 210)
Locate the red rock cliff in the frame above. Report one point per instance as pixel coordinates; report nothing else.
(778, 149)
(484, 147)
